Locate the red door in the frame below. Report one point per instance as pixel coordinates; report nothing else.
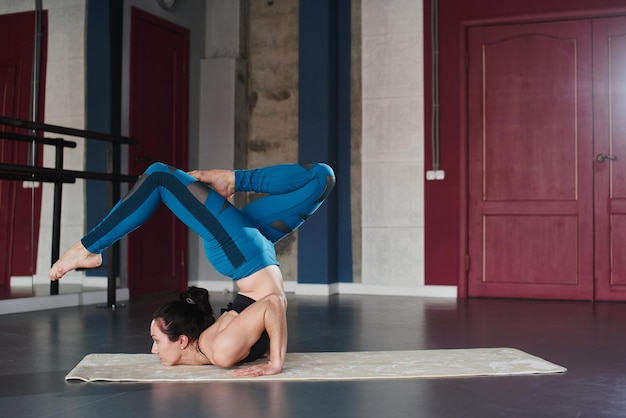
(158, 118)
(20, 202)
(609, 57)
(530, 161)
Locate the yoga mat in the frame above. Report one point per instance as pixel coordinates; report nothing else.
(324, 366)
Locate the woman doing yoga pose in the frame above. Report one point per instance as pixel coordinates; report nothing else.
(238, 242)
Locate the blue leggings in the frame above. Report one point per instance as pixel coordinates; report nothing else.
(237, 242)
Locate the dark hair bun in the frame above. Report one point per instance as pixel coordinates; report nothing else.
(199, 297)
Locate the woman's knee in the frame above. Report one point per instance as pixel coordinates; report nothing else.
(323, 169)
(326, 177)
(158, 168)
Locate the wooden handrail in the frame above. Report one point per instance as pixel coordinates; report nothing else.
(62, 175)
(59, 176)
(37, 139)
(44, 127)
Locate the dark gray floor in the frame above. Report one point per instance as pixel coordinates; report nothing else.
(39, 348)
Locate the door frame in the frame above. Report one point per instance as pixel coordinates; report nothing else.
(180, 157)
(463, 133)
(609, 228)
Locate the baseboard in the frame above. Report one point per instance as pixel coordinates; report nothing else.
(378, 290)
(308, 289)
(216, 286)
(39, 303)
(72, 278)
(341, 288)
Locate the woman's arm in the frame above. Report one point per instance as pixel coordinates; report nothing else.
(233, 341)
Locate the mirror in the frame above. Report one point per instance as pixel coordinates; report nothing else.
(27, 206)
(68, 50)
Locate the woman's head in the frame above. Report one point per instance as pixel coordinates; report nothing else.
(179, 323)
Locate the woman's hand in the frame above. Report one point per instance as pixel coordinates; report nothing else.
(258, 370)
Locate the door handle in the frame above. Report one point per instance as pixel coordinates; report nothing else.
(144, 159)
(603, 157)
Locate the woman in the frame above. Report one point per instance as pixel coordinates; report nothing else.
(238, 242)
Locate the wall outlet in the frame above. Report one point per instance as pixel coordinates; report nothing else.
(435, 175)
(30, 185)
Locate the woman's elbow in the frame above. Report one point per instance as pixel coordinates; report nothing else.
(227, 353)
(276, 300)
(226, 359)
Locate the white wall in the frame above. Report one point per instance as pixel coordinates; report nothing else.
(393, 143)
(217, 107)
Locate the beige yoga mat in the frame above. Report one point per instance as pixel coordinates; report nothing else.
(325, 366)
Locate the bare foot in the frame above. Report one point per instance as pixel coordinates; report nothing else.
(222, 181)
(75, 257)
